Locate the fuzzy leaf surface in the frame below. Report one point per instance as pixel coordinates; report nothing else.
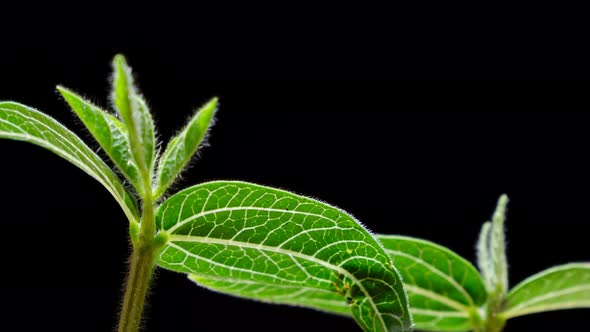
(108, 131)
(23, 123)
(561, 287)
(135, 115)
(267, 244)
(183, 146)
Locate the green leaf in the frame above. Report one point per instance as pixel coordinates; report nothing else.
(108, 131)
(183, 146)
(22, 123)
(268, 244)
(444, 289)
(136, 117)
(561, 287)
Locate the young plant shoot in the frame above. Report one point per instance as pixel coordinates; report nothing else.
(267, 244)
(241, 238)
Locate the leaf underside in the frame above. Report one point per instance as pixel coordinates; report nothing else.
(271, 245)
(561, 287)
(22, 123)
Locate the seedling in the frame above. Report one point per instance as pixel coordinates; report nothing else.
(237, 237)
(267, 244)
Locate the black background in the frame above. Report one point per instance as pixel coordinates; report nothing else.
(424, 159)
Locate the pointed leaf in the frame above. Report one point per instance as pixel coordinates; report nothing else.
(135, 115)
(108, 131)
(561, 287)
(491, 254)
(484, 257)
(444, 289)
(22, 123)
(183, 146)
(263, 243)
(498, 247)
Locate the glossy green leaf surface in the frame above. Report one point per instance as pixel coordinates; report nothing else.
(108, 131)
(272, 245)
(561, 287)
(443, 288)
(183, 146)
(22, 123)
(135, 115)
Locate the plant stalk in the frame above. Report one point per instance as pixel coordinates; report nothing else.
(141, 270)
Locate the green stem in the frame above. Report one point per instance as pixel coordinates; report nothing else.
(141, 270)
(138, 282)
(494, 320)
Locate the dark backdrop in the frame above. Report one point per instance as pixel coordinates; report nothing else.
(424, 159)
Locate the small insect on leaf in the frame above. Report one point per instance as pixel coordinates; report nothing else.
(267, 244)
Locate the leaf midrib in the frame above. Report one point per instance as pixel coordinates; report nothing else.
(183, 222)
(442, 299)
(515, 311)
(97, 172)
(44, 143)
(199, 239)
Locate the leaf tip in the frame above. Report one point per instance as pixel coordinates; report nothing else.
(503, 200)
(119, 61)
(500, 212)
(65, 92)
(211, 106)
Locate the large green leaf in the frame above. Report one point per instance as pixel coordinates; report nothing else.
(444, 289)
(183, 146)
(22, 123)
(108, 131)
(562, 287)
(268, 244)
(135, 115)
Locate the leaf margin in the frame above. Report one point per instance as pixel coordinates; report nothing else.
(510, 312)
(406, 322)
(108, 178)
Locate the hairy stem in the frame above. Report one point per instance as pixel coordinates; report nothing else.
(138, 281)
(141, 270)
